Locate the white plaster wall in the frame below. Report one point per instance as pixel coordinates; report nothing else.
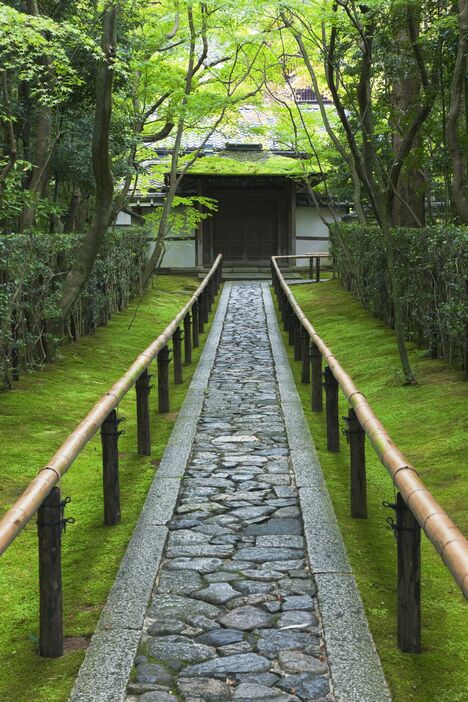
(309, 224)
(123, 219)
(179, 254)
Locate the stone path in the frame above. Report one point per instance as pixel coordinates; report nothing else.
(233, 614)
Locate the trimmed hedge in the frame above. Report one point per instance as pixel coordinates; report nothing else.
(32, 269)
(432, 266)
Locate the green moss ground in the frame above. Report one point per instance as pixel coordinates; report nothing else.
(34, 419)
(428, 422)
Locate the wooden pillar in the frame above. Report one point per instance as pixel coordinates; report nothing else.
(297, 339)
(316, 372)
(142, 388)
(163, 380)
(187, 339)
(291, 325)
(357, 452)
(311, 268)
(110, 468)
(408, 533)
(201, 313)
(331, 394)
(177, 352)
(286, 313)
(206, 303)
(49, 531)
(305, 356)
(195, 325)
(317, 269)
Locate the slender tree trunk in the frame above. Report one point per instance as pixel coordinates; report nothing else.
(102, 170)
(456, 152)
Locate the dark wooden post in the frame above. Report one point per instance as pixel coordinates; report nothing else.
(49, 530)
(408, 533)
(110, 468)
(163, 380)
(201, 313)
(297, 339)
(142, 387)
(286, 313)
(206, 303)
(292, 325)
(316, 387)
(357, 453)
(195, 324)
(305, 356)
(177, 351)
(331, 394)
(317, 269)
(311, 268)
(187, 339)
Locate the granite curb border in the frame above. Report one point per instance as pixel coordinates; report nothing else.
(356, 670)
(105, 671)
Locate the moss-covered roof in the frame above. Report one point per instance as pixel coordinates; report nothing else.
(254, 163)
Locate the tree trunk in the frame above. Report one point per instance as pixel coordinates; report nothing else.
(456, 152)
(102, 170)
(409, 203)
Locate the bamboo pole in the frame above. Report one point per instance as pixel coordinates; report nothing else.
(447, 539)
(29, 502)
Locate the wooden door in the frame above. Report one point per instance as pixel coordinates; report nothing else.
(246, 227)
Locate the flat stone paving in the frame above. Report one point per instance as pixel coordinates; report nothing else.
(234, 611)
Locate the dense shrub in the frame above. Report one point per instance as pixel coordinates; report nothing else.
(32, 269)
(432, 266)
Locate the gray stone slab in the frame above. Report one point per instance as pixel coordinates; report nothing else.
(355, 667)
(104, 673)
(123, 609)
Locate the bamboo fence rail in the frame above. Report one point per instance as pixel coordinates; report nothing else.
(447, 539)
(39, 494)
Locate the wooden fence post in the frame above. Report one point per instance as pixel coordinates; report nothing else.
(291, 324)
(317, 269)
(357, 453)
(331, 401)
(177, 352)
(206, 303)
(408, 533)
(49, 530)
(316, 386)
(285, 313)
(201, 313)
(187, 339)
(110, 468)
(311, 268)
(163, 380)
(143, 387)
(305, 356)
(195, 325)
(297, 339)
